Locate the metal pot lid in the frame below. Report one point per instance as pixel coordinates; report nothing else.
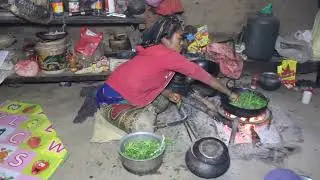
(210, 150)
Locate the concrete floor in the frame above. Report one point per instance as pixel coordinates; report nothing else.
(100, 161)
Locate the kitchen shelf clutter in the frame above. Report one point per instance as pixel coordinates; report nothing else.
(58, 57)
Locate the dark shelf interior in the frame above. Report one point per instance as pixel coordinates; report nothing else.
(53, 78)
(7, 17)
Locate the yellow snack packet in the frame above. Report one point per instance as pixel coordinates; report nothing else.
(201, 40)
(287, 72)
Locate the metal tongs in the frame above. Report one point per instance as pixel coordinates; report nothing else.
(183, 112)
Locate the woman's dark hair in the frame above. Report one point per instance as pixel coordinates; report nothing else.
(165, 27)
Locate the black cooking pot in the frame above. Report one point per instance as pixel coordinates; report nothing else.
(240, 112)
(211, 67)
(208, 158)
(135, 7)
(269, 81)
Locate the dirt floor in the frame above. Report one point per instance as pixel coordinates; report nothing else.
(100, 161)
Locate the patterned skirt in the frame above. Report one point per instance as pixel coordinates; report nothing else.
(131, 118)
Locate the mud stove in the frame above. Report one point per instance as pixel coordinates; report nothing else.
(244, 126)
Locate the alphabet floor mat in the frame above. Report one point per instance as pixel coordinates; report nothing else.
(30, 148)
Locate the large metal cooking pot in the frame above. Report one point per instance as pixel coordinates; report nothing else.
(208, 158)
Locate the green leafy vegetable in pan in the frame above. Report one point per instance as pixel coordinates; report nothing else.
(142, 149)
(250, 100)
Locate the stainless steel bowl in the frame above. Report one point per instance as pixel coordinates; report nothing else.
(141, 166)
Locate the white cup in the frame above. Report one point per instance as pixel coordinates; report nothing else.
(306, 97)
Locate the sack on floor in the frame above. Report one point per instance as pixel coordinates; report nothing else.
(104, 131)
(290, 47)
(316, 38)
(114, 121)
(110, 125)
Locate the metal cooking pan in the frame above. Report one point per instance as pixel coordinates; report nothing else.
(240, 112)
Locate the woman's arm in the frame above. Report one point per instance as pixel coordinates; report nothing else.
(166, 92)
(214, 83)
(182, 65)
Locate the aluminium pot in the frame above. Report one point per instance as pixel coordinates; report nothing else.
(141, 167)
(208, 158)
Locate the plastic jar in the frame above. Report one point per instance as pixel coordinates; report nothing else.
(306, 97)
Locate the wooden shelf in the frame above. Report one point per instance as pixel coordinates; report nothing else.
(53, 78)
(9, 18)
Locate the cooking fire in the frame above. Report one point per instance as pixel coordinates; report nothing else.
(244, 129)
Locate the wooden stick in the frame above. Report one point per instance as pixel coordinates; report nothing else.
(201, 103)
(196, 95)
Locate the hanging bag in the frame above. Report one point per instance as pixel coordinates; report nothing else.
(169, 7)
(316, 38)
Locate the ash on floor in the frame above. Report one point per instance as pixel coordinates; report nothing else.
(277, 142)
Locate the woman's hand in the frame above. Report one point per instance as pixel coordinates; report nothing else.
(172, 96)
(233, 97)
(175, 97)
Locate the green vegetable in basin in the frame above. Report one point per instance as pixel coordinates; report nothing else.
(250, 100)
(142, 149)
